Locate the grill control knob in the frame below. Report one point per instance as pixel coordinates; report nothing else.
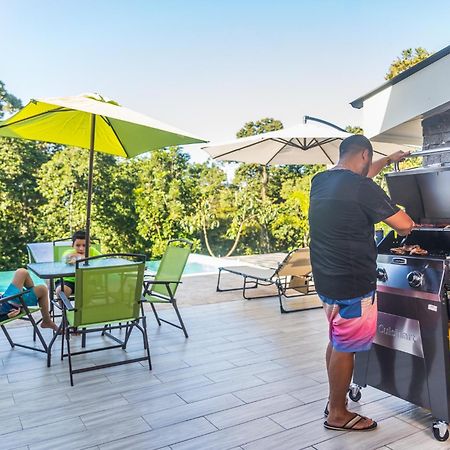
(415, 279)
(382, 274)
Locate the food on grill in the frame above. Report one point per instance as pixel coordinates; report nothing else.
(398, 251)
(418, 251)
(409, 250)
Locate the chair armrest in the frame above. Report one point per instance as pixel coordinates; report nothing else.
(161, 282)
(66, 303)
(12, 297)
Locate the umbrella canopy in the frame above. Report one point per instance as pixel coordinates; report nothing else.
(119, 131)
(308, 143)
(96, 123)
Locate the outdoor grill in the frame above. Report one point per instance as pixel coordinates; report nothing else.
(410, 355)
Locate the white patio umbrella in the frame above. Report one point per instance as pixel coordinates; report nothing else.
(307, 143)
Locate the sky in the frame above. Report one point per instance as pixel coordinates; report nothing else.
(209, 66)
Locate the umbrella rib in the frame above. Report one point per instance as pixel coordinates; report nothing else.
(326, 154)
(289, 142)
(60, 109)
(279, 151)
(323, 142)
(115, 134)
(237, 149)
(300, 145)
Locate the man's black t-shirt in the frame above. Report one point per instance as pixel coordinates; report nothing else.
(344, 207)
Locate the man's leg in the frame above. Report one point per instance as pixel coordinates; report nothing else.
(340, 371)
(328, 357)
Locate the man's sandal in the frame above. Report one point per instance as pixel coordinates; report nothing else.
(326, 411)
(350, 425)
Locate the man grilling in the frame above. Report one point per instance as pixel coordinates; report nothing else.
(345, 205)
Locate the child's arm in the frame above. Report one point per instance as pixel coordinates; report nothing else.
(70, 257)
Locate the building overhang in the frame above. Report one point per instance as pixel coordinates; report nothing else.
(394, 111)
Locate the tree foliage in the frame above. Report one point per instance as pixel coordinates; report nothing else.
(8, 102)
(20, 202)
(408, 58)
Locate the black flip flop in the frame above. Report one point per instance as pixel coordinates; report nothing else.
(350, 425)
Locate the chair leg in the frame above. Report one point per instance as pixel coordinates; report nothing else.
(174, 304)
(127, 335)
(218, 280)
(155, 313)
(69, 355)
(143, 330)
(37, 331)
(83, 338)
(11, 343)
(50, 345)
(63, 337)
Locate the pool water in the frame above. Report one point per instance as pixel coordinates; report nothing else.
(192, 267)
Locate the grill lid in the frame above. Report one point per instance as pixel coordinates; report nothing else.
(423, 192)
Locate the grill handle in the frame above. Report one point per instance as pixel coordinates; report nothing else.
(399, 261)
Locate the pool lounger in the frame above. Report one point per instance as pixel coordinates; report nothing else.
(292, 274)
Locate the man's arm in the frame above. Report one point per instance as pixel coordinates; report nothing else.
(400, 222)
(381, 163)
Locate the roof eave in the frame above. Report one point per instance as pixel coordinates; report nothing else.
(359, 102)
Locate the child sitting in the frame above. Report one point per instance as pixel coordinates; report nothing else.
(38, 295)
(71, 256)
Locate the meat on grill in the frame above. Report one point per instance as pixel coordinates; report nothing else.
(409, 250)
(418, 251)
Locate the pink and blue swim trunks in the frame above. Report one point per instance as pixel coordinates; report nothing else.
(352, 322)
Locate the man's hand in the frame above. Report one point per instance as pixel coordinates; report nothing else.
(398, 156)
(381, 163)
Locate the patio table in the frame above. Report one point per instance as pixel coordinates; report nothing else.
(54, 270)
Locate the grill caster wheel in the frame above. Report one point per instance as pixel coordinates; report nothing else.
(440, 430)
(354, 393)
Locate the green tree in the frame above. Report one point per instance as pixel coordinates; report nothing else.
(257, 176)
(20, 203)
(8, 102)
(354, 129)
(164, 198)
(62, 182)
(408, 58)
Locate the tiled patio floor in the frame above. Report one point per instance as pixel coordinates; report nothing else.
(247, 378)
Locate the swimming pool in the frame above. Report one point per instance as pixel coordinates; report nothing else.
(196, 265)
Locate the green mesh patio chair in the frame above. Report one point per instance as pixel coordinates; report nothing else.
(60, 246)
(108, 292)
(25, 314)
(163, 286)
(40, 252)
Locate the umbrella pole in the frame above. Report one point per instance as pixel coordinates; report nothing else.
(90, 177)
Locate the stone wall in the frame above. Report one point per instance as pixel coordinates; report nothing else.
(436, 134)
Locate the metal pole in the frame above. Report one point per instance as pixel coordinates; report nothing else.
(315, 119)
(89, 198)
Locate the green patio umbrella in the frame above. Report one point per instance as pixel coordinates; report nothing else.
(96, 123)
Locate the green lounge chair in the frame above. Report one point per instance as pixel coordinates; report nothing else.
(163, 286)
(106, 295)
(25, 314)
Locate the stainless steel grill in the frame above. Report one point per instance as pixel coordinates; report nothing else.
(410, 355)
